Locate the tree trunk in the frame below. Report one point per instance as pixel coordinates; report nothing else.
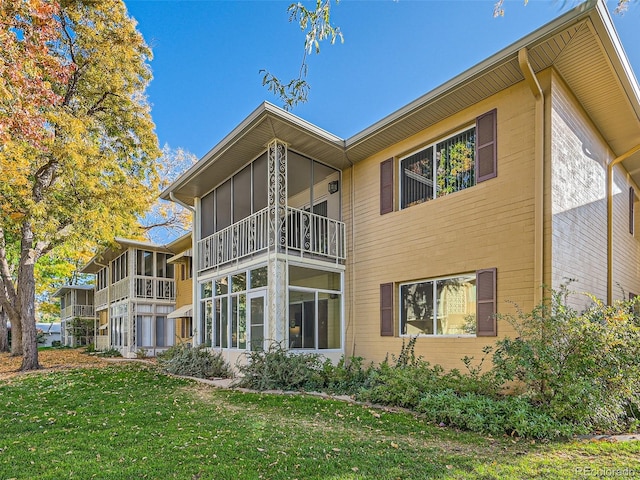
(16, 337)
(27, 300)
(4, 338)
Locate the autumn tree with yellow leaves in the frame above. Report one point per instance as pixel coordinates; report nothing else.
(77, 144)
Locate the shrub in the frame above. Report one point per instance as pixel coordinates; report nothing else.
(56, 344)
(403, 381)
(280, 369)
(112, 352)
(494, 416)
(142, 353)
(583, 368)
(198, 362)
(347, 377)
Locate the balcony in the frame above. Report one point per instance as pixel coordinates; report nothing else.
(73, 311)
(301, 233)
(153, 288)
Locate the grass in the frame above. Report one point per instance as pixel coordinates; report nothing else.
(129, 421)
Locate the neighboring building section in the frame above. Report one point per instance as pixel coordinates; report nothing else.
(51, 334)
(521, 172)
(134, 294)
(183, 275)
(77, 315)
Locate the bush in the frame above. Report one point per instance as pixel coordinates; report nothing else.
(112, 352)
(56, 344)
(347, 377)
(494, 416)
(198, 362)
(582, 368)
(280, 369)
(404, 381)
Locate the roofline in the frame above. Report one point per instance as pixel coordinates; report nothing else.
(124, 242)
(179, 240)
(576, 15)
(59, 291)
(263, 110)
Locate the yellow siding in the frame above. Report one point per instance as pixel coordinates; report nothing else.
(488, 225)
(184, 291)
(184, 296)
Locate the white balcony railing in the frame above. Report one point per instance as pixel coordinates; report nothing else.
(155, 288)
(301, 232)
(144, 287)
(73, 311)
(246, 237)
(312, 234)
(101, 297)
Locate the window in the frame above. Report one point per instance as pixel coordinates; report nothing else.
(444, 306)
(185, 269)
(460, 305)
(450, 165)
(119, 268)
(632, 210)
(442, 168)
(144, 263)
(224, 318)
(315, 304)
(163, 269)
(101, 279)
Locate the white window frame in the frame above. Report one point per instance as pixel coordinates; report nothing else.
(434, 166)
(435, 307)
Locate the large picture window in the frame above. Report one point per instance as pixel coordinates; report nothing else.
(224, 319)
(315, 303)
(442, 306)
(439, 169)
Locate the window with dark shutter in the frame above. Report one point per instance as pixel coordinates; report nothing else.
(386, 186)
(486, 146)
(486, 303)
(386, 310)
(632, 199)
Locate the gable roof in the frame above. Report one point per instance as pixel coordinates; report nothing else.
(582, 45)
(97, 262)
(68, 288)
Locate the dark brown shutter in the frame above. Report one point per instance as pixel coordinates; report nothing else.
(386, 310)
(386, 186)
(632, 199)
(486, 146)
(486, 303)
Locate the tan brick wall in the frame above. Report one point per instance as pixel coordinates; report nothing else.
(488, 225)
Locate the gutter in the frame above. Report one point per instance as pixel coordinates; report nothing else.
(610, 166)
(181, 203)
(538, 196)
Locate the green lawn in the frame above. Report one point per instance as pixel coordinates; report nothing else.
(128, 421)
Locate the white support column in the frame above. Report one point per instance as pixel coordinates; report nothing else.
(277, 269)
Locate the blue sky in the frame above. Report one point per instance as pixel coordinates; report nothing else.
(208, 54)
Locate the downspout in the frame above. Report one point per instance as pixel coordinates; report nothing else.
(352, 270)
(610, 166)
(538, 195)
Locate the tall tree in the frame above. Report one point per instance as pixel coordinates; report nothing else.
(79, 150)
(4, 338)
